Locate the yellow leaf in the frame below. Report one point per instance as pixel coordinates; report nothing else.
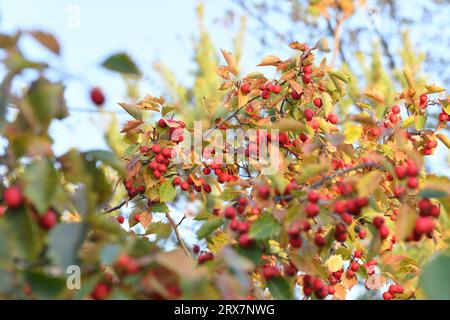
(298, 46)
(130, 125)
(433, 88)
(367, 184)
(223, 72)
(296, 86)
(334, 263)
(242, 99)
(375, 95)
(220, 240)
(352, 133)
(231, 62)
(270, 60)
(146, 219)
(339, 292)
(405, 222)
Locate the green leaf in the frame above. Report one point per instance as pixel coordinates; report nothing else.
(264, 228)
(208, 227)
(40, 179)
(64, 242)
(279, 288)
(133, 110)
(419, 122)
(167, 191)
(44, 286)
(122, 63)
(408, 122)
(108, 158)
(432, 193)
(160, 207)
(435, 278)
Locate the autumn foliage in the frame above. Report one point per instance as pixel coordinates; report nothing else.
(351, 203)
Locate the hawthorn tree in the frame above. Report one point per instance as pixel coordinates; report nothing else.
(350, 200)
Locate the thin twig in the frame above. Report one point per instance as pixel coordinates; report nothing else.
(177, 234)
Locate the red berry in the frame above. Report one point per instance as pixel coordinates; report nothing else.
(358, 254)
(207, 188)
(378, 222)
(317, 102)
(13, 197)
(120, 219)
(332, 118)
(176, 181)
(48, 220)
(270, 272)
(156, 174)
(312, 210)
(295, 95)
(264, 192)
(411, 169)
(424, 225)
(354, 266)
(156, 148)
(245, 241)
(309, 114)
(339, 207)
(100, 291)
(276, 89)
(374, 132)
(206, 171)
(184, 186)
(393, 118)
(443, 117)
(319, 240)
(313, 196)
(400, 172)
(97, 96)
(383, 231)
(196, 249)
(412, 182)
(395, 109)
(167, 152)
(162, 123)
(306, 78)
(296, 242)
(423, 99)
(265, 94)
(387, 295)
(230, 213)
(431, 144)
(307, 69)
(245, 88)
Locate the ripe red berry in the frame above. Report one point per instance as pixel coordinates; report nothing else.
(264, 192)
(319, 240)
(313, 196)
(411, 169)
(378, 222)
(101, 291)
(358, 254)
(387, 295)
(393, 118)
(431, 144)
(332, 118)
(412, 182)
(374, 132)
(400, 171)
(295, 95)
(48, 220)
(354, 266)
(339, 206)
(167, 152)
(307, 69)
(276, 89)
(317, 102)
(207, 188)
(176, 181)
(196, 249)
(162, 123)
(245, 241)
(245, 88)
(423, 99)
(424, 225)
(270, 272)
(230, 213)
(184, 186)
(383, 231)
(309, 114)
(312, 209)
(204, 257)
(97, 96)
(156, 174)
(156, 148)
(443, 117)
(395, 109)
(120, 219)
(296, 242)
(265, 94)
(13, 197)
(306, 78)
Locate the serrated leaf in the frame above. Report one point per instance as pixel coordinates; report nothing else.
(269, 60)
(167, 191)
(375, 95)
(208, 227)
(334, 263)
(352, 133)
(264, 228)
(122, 63)
(231, 62)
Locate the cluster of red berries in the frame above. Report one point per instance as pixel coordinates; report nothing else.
(313, 284)
(204, 257)
(14, 199)
(268, 88)
(312, 209)
(159, 159)
(132, 188)
(379, 223)
(393, 115)
(270, 272)
(335, 277)
(176, 128)
(425, 223)
(222, 173)
(392, 291)
(429, 146)
(443, 116)
(423, 100)
(410, 171)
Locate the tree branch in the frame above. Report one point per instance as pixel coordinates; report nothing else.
(177, 234)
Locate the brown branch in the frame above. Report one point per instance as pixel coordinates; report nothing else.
(177, 234)
(337, 40)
